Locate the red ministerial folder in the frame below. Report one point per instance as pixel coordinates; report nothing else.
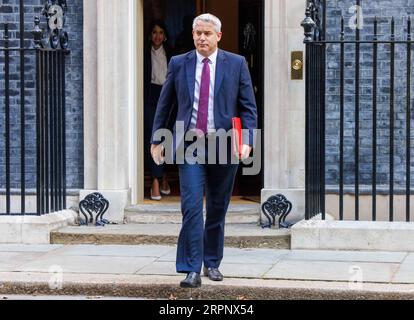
(237, 136)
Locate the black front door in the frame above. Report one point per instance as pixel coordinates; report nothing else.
(251, 45)
(243, 26)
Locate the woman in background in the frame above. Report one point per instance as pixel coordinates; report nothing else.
(157, 57)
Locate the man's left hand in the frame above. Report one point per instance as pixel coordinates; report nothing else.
(246, 149)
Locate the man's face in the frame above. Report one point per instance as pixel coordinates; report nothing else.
(206, 38)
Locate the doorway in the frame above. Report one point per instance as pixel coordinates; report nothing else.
(243, 33)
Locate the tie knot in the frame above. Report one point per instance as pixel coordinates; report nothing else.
(206, 60)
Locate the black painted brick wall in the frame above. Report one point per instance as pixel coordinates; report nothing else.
(9, 13)
(384, 9)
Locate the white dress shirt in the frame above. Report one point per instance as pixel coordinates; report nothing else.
(159, 66)
(199, 69)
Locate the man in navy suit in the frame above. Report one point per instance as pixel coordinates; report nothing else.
(209, 87)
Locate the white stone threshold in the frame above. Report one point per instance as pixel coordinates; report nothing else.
(33, 229)
(352, 235)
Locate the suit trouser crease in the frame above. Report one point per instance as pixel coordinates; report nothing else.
(198, 243)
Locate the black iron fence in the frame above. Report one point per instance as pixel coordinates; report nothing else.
(48, 140)
(315, 110)
(316, 53)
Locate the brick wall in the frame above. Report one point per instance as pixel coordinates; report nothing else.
(9, 13)
(384, 9)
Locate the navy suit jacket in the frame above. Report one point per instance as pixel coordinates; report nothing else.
(233, 93)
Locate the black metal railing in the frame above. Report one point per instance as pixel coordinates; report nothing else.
(315, 105)
(350, 46)
(46, 144)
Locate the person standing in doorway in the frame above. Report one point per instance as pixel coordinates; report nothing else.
(211, 87)
(157, 57)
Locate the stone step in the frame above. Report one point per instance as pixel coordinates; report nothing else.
(237, 235)
(171, 213)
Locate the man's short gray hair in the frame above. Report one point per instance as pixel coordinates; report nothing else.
(208, 18)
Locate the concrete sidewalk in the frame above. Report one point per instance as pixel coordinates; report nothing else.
(149, 272)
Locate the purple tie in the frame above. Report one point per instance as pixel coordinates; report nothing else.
(202, 114)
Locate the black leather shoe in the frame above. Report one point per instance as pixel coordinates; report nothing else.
(193, 280)
(213, 274)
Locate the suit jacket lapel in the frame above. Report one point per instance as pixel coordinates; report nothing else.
(190, 71)
(220, 71)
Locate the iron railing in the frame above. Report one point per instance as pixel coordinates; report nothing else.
(316, 53)
(47, 59)
(315, 105)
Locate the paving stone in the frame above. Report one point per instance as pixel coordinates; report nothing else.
(357, 256)
(234, 255)
(405, 274)
(170, 256)
(304, 265)
(333, 271)
(159, 268)
(87, 264)
(244, 270)
(28, 247)
(117, 250)
(9, 261)
(253, 256)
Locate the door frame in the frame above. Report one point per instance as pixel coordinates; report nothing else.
(137, 142)
(137, 165)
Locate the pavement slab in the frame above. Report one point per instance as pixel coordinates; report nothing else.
(250, 270)
(333, 271)
(117, 250)
(356, 256)
(405, 274)
(159, 268)
(29, 247)
(10, 261)
(253, 256)
(148, 271)
(86, 264)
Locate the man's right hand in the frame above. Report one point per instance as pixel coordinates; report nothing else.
(157, 153)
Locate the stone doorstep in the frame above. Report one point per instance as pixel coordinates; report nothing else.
(176, 218)
(353, 235)
(176, 208)
(33, 229)
(237, 236)
(166, 287)
(171, 213)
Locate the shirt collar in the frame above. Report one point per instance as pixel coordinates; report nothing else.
(212, 57)
(159, 50)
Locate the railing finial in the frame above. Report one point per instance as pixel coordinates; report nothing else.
(308, 25)
(37, 33)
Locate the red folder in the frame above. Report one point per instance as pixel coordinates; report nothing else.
(237, 136)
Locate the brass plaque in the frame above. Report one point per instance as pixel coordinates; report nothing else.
(296, 65)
